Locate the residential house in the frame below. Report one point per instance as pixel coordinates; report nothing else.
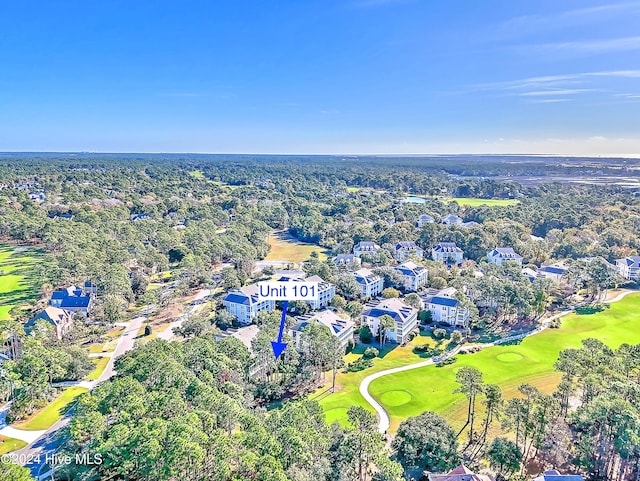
(349, 261)
(259, 367)
(245, 303)
(553, 272)
(338, 327)
(371, 284)
(60, 319)
(244, 334)
(405, 317)
(451, 219)
(445, 308)
(414, 276)
(469, 224)
(365, 247)
(529, 273)
(74, 298)
(629, 267)
(461, 473)
(137, 217)
(37, 196)
(448, 253)
(424, 219)
(500, 255)
(554, 475)
(326, 292)
(403, 250)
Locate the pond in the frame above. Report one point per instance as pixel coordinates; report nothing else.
(414, 200)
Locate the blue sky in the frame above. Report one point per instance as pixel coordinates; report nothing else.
(350, 76)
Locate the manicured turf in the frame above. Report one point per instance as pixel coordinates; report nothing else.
(471, 202)
(101, 363)
(431, 388)
(336, 404)
(283, 247)
(17, 283)
(46, 417)
(10, 444)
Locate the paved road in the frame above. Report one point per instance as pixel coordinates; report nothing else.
(50, 440)
(383, 416)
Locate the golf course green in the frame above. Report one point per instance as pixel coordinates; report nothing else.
(335, 405)
(431, 388)
(17, 282)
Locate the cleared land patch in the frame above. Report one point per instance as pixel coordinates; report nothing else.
(285, 247)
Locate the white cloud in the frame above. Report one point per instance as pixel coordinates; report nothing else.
(538, 93)
(526, 24)
(547, 101)
(585, 46)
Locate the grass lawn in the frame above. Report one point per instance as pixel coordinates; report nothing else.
(196, 174)
(431, 388)
(284, 247)
(101, 363)
(336, 404)
(353, 189)
(17, 283)
(47, 416)
(471, 202)
(10, 444)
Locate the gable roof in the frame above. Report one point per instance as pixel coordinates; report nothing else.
(53, 315)
(461, 473)
(366, 276)
(446, 247)
(366, 245)
(329, 319)
(245, 295)
(452, 218)
(554, 475)
(406, 245)
(444, 301)
(505, 253)
(395, 308)
(410, 269)
(552, 270)
(631, 261)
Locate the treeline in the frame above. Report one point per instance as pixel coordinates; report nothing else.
(183, 411)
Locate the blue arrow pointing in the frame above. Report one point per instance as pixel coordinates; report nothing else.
(279, 346)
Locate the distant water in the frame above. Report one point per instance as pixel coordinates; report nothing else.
(414, 200)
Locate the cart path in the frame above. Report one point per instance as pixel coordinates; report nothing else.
(384, 420)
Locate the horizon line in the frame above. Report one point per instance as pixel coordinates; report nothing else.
(307, 154)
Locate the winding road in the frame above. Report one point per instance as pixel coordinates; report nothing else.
(384, 420)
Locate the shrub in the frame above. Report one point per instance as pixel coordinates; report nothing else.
(446, 362)
(427, 350)
(439, 333)
(365, 335)
(456, 337)
(556, 323)
(370, 353)
(359, 365)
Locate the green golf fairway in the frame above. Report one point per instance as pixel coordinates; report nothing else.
(431, 388)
